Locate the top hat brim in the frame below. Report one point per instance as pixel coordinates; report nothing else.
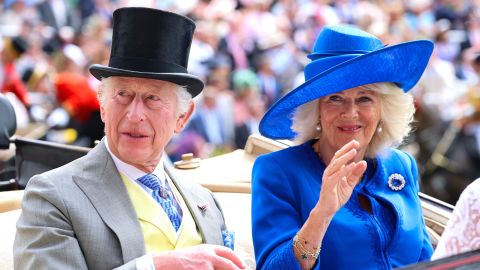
(192, 83)
(402, 64)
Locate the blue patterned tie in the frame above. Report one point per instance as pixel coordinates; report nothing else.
(164, 196)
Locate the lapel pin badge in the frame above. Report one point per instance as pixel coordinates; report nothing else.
(202, 206)
(396, 182)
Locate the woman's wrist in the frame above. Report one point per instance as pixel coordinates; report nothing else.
(321, 215)
(308, 240)
(305, 251)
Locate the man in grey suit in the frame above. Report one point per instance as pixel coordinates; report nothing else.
(96, 212)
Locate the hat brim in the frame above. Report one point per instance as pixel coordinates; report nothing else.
(192, 83)
(402, 64)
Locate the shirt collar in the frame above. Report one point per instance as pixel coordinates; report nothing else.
(131, 171)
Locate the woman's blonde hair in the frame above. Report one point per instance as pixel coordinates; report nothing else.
(396, 114)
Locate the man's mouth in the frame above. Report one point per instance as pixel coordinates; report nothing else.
(135, 135)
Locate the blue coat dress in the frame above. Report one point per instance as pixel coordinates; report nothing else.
(286, 186)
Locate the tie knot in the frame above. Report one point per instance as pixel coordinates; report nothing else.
(151, 181)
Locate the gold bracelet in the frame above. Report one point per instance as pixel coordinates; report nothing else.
(304, 252)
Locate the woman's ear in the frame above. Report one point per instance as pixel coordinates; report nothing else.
(183, 118)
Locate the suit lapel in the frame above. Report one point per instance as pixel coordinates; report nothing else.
(207, 218)
(103, 185)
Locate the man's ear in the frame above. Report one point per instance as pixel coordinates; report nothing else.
(102, 113)
(183, 118)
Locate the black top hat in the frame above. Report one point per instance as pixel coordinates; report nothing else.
(150, 43)
(20, 45)
(15, 46)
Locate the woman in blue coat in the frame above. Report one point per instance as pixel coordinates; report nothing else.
(343, 197)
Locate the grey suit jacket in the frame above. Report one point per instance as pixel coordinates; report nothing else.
(80, 216)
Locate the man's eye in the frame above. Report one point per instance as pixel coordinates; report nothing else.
(122, 93)
(153, 97)
(123, 96)
(154, 102)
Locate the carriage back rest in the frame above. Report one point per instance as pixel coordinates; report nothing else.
(34, 157)
(8, 122)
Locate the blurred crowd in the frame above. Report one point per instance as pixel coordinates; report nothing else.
(249, 53)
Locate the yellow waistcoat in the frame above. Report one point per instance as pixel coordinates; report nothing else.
(158, 231)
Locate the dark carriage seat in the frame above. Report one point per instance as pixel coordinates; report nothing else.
(35, 156)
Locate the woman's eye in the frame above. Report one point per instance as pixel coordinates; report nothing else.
(335, 98)
(364, 99)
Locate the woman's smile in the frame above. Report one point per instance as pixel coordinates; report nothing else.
(350, 129)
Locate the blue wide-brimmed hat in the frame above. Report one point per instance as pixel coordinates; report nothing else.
(345, 57)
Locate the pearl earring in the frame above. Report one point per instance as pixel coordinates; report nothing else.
(379, 129)
(318, 128)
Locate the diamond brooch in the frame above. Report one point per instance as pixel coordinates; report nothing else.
(396, 182)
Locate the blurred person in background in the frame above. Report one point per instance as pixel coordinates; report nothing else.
(10, 79)
(237, 44)
(247, 95)
(270, 87)
(75, 107)
(219, 77)
(249, 126)
(208, 122)
(59, 15)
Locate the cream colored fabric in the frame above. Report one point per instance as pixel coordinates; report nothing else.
(7, 235)
(237, 211)
(10, 200)
(462, 233)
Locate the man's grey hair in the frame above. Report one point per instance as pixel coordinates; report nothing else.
(396, 115)
(183, 96)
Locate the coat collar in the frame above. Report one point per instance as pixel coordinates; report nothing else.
(208, 223)
(102, 184)
(390, 163)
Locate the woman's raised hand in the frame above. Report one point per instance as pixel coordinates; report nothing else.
(340, 178)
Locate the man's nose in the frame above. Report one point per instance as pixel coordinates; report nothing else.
(136, 109)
